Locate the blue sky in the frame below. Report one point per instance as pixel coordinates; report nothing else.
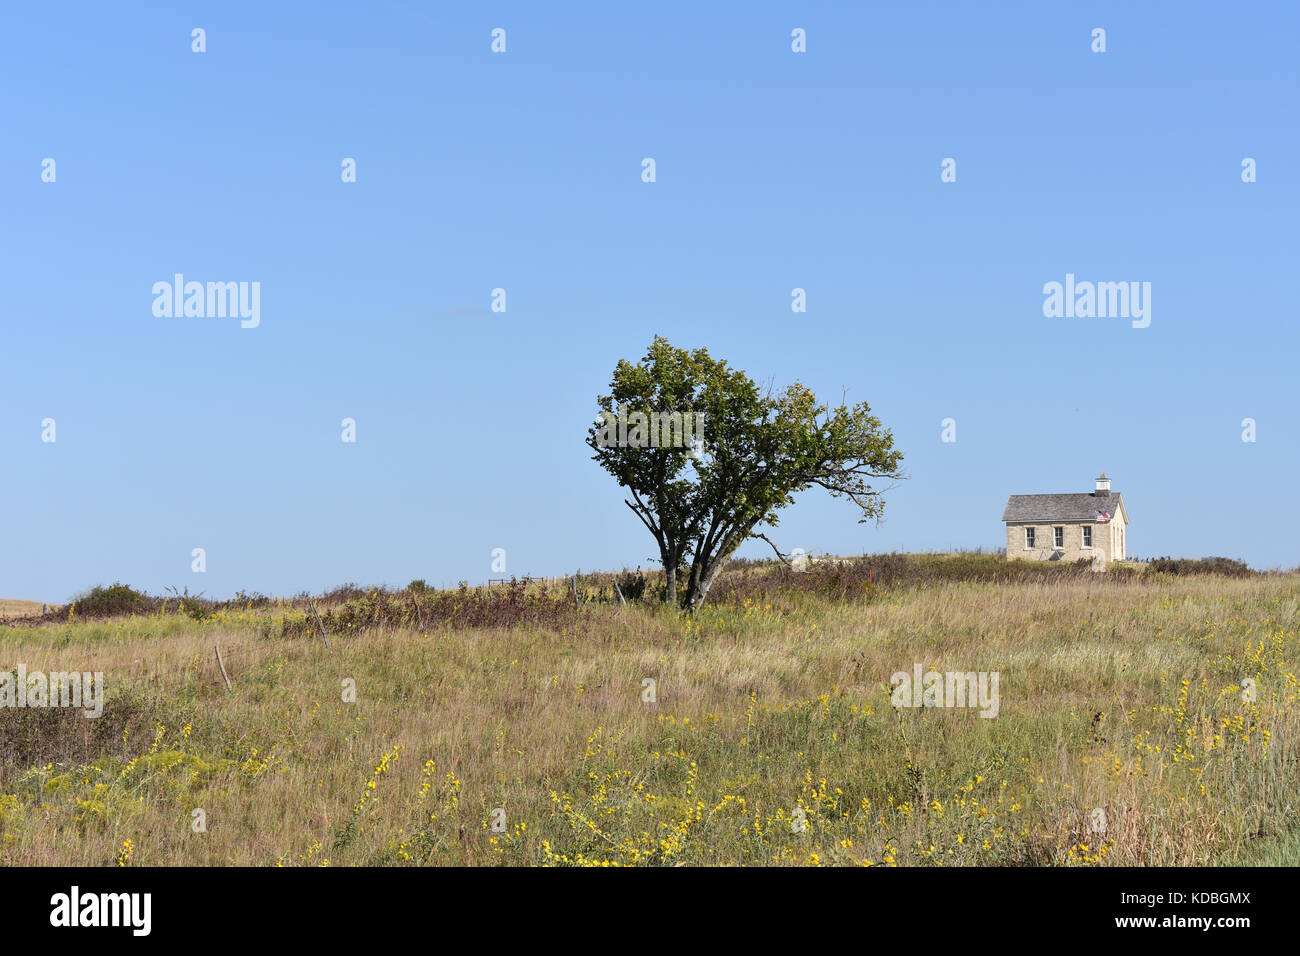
(522, 171)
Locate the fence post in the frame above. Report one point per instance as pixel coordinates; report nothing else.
(320, 624)
(224, 675)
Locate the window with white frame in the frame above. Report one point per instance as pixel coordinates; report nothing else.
(1029, 537)
(1058, 537)
(1087, 536)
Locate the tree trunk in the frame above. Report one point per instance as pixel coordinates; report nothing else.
(700, 589)
(670, 578)
(693, 583)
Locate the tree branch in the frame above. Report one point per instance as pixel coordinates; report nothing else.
(774, 547)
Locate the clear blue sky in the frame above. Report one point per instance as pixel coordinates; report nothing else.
(522, 170)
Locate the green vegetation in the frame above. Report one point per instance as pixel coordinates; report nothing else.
(756, 453)
(1121, 692)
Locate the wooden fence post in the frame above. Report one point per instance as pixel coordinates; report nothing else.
(320, 624)
(224, 675)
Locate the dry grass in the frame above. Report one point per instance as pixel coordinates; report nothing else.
(765, 714)
(11, 608)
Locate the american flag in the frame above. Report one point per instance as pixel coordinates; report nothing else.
(1103, 517)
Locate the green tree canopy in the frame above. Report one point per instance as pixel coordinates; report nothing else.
(757, 451)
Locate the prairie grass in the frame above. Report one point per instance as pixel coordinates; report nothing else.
(772, 739)
(11, 608)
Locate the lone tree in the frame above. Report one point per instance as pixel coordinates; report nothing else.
(757, 450)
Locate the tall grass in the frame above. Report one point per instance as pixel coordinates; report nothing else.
(772, 711)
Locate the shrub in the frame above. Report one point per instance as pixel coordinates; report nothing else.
(1227, 567)
(860, 577)
(118, 598)
(342, 593)
(193, 605)
(632, 584)
(243, 599)
(509, 606)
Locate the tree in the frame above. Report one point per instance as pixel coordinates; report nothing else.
(757, 450)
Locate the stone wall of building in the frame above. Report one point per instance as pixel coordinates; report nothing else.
(1105, 538)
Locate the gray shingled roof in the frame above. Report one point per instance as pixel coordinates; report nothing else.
(1078, 507)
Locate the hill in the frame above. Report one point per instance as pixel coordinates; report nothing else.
(1143, 719)
(12, 608)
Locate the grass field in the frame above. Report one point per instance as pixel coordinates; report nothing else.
(1118, 693)
(11, 608)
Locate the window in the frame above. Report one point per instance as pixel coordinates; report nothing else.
(1058, 537)
(1087, 536)
(1029, 537)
